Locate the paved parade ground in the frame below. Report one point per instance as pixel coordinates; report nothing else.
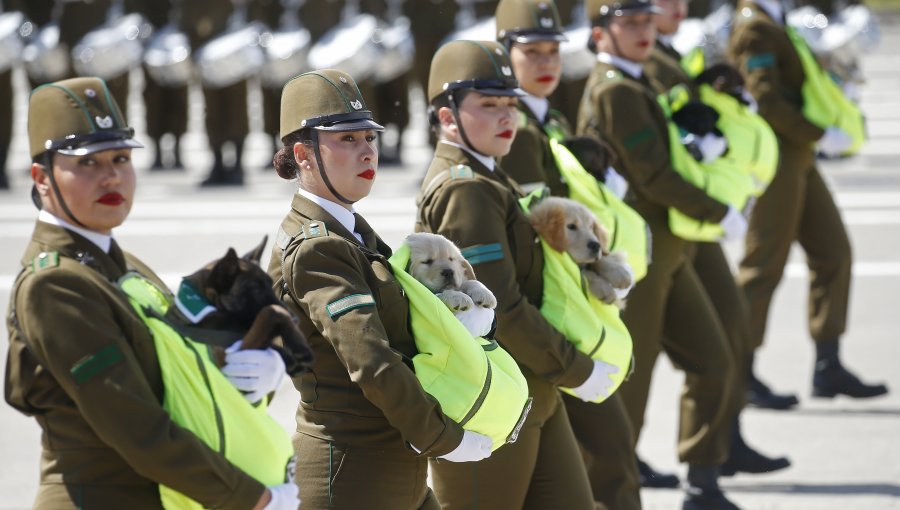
(845, 453)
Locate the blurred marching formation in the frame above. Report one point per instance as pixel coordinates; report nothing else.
(223, 46)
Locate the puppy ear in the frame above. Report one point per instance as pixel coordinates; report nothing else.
(602, 235)
(255, 255)
(223, 273)
(556, 229)
(467, 269)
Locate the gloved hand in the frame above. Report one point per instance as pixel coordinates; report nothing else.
(615, 182)
(478, 320)
(748, 98)
(834, 142)
(734, 224)
(598, 383)
(474, 447)
(284, 497)
(255, 372)
(711, 146)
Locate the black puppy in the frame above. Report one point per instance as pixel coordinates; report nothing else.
(594, 154)
(724, 78)
(245, 307)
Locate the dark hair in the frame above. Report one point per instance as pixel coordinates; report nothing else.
(285, 165)
(443, 101)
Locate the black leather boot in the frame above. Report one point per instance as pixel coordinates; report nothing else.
(744, 459)
(216, 175)
(653, 479)
(703, 491)
(831, 378)
(760, 395)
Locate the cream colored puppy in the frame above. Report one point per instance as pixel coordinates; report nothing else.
(438, 264)
(569, 226)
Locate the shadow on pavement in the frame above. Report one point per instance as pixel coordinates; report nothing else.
(881, 489)
(875, 411)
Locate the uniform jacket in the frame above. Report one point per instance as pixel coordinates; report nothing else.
(361, 389)
(624, 111)
(530, 160)
(761, 49)
(664, 70)
(479, 211)
(84, 365)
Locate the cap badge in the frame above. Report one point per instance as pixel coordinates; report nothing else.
(506, 70)
(547, 22)
(356, 104)
(104, 122)
(498, 51)
(343, 80)
(90, 93)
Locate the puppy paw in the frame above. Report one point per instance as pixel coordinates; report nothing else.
(481, 295)
(600, 287)
(614, 269)
(456, 300)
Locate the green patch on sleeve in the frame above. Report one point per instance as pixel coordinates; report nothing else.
(761, 61)
(343, 305)
(89, 366)
(481, 253)
(639, 138)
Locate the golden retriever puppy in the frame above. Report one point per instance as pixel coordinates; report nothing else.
(568, 226)
(439, 265)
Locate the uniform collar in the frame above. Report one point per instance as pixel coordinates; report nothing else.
(666, 40)
(773, 9)
(101, 240)
(487, 161)
(340, 213)
(539, 106)
(633, 69)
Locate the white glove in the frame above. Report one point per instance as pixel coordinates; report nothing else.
(598, 383)
(478, 320)
(752, 105)
(615, 183)
(834, 142)
(284, 497)
(712, 146)
(474, 447)
(623, 293)
(255, 372)
(734, 224)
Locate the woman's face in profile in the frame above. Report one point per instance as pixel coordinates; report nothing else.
(351, 163)
(97, 188)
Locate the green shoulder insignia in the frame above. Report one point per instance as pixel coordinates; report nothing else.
(44, 260)
(461, 172)
(481, 253)
(523, 119)
(343, 305)
(314, 229)
(613, 74)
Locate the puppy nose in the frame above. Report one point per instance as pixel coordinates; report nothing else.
(447, 274)
(594, 246)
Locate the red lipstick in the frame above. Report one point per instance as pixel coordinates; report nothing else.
(111, 199)
(644, 44)
(367, 174)
(547, 78)
(506, 134)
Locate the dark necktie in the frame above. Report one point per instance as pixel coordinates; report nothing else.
(118, 256)
(365, 231)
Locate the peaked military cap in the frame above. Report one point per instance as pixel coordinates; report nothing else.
(614, 8)
(525, 21)
(327, 100)
(483, 66)
(76, 117)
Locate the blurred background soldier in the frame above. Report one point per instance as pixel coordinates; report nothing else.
(567, 96)
(390, 99)
(6, 104)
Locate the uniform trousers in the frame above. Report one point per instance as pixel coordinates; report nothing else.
(669, 309)
(542, 469)
(606, 439)
(166, 108)
(337, 476)
(797, 206)
(226, 114)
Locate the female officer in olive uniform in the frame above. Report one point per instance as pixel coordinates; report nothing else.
(466, 197)
(365, 424)
(80, 359)
(532, 32)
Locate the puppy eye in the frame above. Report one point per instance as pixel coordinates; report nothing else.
(571, 226)
(428, 262)
(450, 259)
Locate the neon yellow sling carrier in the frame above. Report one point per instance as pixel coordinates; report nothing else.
(199, 398)
(628, 232)
(593, 326)
(478, 384)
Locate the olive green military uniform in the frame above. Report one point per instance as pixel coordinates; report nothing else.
(166, 108)
(6, 120)
(530, 161)
(478, 209)
(567, 96)
(797, 206)
(361, 402)
(668, 309)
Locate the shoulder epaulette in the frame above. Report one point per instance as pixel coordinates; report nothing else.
(613, 74)
(459, 172)
(44, 260)
(314, 229)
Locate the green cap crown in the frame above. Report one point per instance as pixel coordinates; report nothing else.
(76, 117)
(609, 8)
(327, 100)
(479, 65)
(527, 21)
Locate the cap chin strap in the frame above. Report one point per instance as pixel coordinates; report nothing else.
(48, 169)
(314, 136)
(462, 132)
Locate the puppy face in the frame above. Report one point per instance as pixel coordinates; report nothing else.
(437, 263)
(567, 225)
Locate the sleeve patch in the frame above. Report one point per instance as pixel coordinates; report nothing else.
(89, 366)
(761, 61)
(345, 304)
(481, 253)
(638, 138)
